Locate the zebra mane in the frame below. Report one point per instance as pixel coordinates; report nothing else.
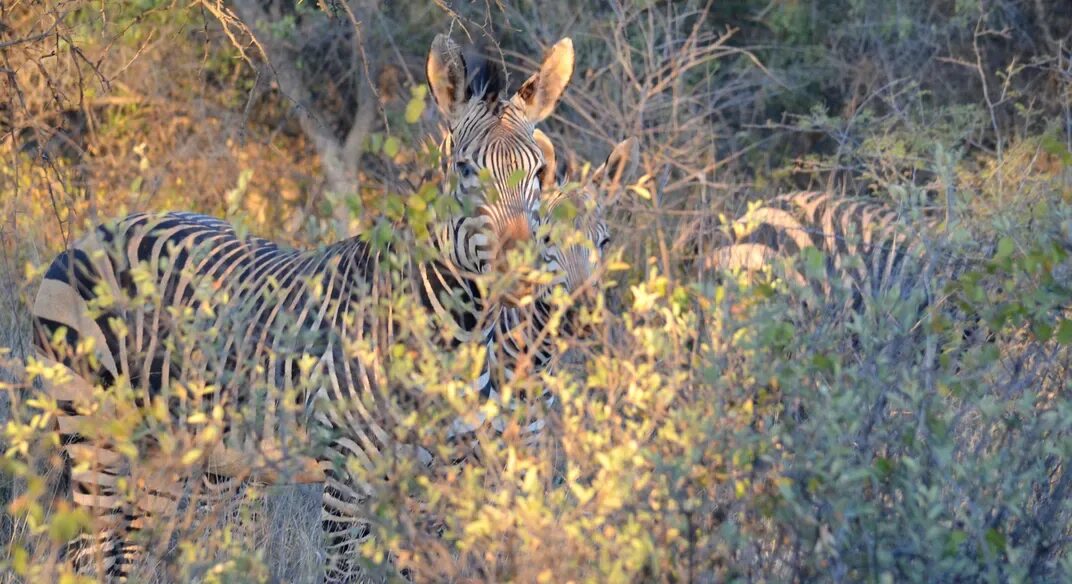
(486, 77)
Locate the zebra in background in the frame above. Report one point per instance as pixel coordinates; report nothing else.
(868, 249)
(284, 319)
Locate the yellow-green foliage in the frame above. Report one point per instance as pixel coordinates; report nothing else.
(705, 427)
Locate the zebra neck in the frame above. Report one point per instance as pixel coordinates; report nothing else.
(450, 295)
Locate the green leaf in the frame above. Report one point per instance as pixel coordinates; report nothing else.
(19, 560)
(355, 205)
(641, 192)
(391, 146)
(414, 109)
(823, 363)
(564, 211)
(394, 207)
(1005, 248)
(66, 524)
(814, 262)
(375, 143)
(884, 467)
(1042, 331)
(416, 203)
(1054, 147)
(956, 538)
(996, 540)
(1064, 332)
(515, 178)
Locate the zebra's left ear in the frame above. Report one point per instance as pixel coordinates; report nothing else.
(618, 171)
(539, 94)
(547, 173)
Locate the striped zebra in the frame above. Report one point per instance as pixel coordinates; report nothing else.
(280, 319)
(571, 252)
(868, 249)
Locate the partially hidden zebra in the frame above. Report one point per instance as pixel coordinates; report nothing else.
(282, 318)
(860, 250)
(572, 251)
(576, 238)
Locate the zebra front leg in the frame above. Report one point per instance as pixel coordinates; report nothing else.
(345, 528)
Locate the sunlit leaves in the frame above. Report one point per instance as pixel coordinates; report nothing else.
(415, 106)
(391, 146)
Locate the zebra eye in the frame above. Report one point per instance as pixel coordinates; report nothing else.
(464, 169)
(603, 243)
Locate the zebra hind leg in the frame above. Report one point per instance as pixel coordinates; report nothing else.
(97, 480)
(132, 510)
(344, 530)
(346, 526)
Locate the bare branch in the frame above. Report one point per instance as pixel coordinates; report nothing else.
(339, 166)
(32, 39)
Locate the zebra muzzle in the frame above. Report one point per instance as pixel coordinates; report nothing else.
(516, 233)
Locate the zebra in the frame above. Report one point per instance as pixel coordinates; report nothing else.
(290, 314)
(867, 247)
(571, 252)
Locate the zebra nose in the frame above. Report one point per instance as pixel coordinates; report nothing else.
(515, 233)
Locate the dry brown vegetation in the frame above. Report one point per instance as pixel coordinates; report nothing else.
(708, 430)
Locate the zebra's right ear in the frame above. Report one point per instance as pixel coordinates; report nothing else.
(611, 178)
(446, 75)
(547, 173)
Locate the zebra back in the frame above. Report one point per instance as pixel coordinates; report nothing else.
(865, 246)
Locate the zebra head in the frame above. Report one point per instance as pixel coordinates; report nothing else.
(573, 255)
(495, 167)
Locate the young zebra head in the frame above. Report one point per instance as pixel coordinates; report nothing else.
(495, 168)
(573, 255)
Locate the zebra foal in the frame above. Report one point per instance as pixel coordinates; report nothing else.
(572, 253)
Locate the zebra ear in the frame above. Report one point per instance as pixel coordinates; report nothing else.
(446, 74)
(547, 176)
(611, 178)
(567, 165)
(539, 94)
